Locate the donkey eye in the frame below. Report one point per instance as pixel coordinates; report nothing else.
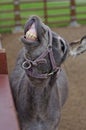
(62, 45)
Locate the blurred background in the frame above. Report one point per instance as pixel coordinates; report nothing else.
(55, 13)
(68, 19)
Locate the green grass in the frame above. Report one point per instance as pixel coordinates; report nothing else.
(40, 13)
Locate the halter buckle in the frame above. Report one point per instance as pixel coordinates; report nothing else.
(26, 65)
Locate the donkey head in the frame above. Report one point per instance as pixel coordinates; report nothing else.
(38, 41)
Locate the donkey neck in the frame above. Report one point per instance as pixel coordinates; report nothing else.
(38, 83)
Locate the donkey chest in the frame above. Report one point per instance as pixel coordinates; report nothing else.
(45, 102)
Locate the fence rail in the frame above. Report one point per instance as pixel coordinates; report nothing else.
(13, 14)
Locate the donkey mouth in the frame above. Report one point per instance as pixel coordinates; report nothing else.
(31, 34)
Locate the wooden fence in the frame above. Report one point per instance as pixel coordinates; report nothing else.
(8, 115)
(14, 13)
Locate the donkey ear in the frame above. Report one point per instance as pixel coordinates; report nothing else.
(63, 47)
(79, 48)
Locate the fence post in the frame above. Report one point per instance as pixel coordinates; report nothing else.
(45, 12)
(17, 16)
(3, 61)
(73, 21)
(0, 41)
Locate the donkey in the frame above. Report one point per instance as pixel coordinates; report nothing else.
(39, 83)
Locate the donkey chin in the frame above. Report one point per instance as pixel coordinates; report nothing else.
(39, 84)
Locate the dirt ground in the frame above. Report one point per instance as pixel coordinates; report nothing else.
(74, 111)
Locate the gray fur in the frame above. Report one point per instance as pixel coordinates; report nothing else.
(39, 101)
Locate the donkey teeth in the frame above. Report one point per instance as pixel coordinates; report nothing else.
(30, 35)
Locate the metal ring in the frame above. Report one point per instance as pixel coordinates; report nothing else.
(26, 65)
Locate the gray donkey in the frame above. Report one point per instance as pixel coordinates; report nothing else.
(39, 84)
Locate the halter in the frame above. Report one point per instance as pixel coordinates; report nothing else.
(28, 64)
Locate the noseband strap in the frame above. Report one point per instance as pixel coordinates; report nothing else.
(28, 64)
